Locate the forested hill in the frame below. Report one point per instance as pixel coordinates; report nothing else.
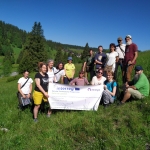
(10, 34)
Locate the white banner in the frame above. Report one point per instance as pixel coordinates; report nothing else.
(63, 96)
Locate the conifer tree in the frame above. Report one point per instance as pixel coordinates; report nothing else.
(85, 51)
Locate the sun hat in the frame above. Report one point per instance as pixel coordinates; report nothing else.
(129, 36)
(69, 58)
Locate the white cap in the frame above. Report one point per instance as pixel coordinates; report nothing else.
(129, 36)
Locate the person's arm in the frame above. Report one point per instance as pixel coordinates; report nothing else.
(62, 79)
(72, 82)
(30, 91)
(135, 55)
(73, 71)
(37, 82)
(84, 64)
(113, 92)
(92, 82)
(86, 81)
(20, 91)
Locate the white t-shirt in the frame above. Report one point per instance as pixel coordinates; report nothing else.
(51, 76)
(111, 59)
(26, 88)
(119, 51)
(95, 81)
(58, 74)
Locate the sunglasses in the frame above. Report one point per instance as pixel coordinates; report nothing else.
(81, 73)
(119, 40)
(99, 72)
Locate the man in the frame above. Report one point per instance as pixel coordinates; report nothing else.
(120, 49)
(138, 88)
(100, 59)
(131, 54)
(88, 65)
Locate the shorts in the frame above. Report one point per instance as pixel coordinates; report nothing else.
(38, 97)
(135, 94)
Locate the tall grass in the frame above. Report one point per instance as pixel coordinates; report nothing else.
(126, 127)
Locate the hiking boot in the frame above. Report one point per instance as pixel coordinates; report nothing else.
(35, 120)
(120, 103)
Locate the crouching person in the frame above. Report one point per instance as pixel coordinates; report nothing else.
(110, 87)
(41, 89)
(138, 88)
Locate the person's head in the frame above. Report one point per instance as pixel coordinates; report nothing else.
(120, 40)
(69, 59)
(25, 73)
(81, 74)
(112, 47)
(42, 67)
(128, 39)
(138, 69)
(60, 66)
(50, 63)
(91, 52)
(110, 75)
(100, 49)
(99, 73)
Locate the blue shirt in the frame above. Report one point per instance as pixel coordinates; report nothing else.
(110, 86)
(101, 57)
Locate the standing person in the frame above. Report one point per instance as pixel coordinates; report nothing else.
(69, 71)
(41, 89)
(98, 79)
(138, 88)
(24, 88)
(80, 81)
(131, 54)
(59, 72)
(50, 71)
(100, 58)
(88, 65)
(120, 49)
(112, 58)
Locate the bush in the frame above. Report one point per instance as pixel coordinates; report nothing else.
(12, 78)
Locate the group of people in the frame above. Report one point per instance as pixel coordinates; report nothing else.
(102, 69)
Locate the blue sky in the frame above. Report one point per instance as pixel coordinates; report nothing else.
(98, 22)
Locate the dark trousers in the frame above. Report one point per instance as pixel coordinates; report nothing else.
(92, 74)
(66, 80)
(119, 63)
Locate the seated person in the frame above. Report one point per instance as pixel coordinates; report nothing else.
(138, 88)
(110, 87)
(98, 79)
(81, 80)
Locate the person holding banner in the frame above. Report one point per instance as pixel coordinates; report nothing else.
(80, 81)
(110, 87)
(99, 78)
(69, 71)
(41, 89)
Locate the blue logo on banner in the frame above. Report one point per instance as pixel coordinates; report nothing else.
(77, 89)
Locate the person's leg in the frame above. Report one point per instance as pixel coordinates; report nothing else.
(91, 74)
(86, 75)
(127, 95)
(116, 70)
(107, 98)
(65, 80)
(129, 72)
(35, 111)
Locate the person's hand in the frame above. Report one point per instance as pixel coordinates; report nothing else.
(23, 96)
(46, 95)
(126, 85)
(28, 96)
(105, 87)
(129, 62)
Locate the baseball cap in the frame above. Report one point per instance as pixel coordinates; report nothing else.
(138, 68)
(129, 36)
(119, 38)
(69, 58)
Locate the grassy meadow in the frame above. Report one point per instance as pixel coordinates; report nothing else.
(124, 127)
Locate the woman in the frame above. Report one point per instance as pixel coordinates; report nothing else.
(24, 88)
(41, 89)
(112, 58)
(59, 72)
(80, 81)
(69, 71)
(109, 89)
(98, 79)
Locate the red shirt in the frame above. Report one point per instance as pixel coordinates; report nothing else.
(130, 53)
